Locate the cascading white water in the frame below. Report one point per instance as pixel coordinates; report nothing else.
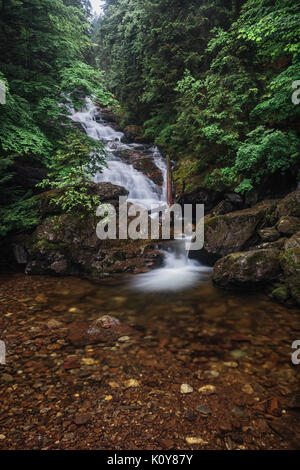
(178, 271)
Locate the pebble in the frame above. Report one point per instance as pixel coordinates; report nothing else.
(113, 384)
(212, 373)
(239, 412)
(204, 410)
(207, 390)
(88, 361)
(132, 383)
(232, 364)
(82, 419)
(237, 354)
(190, 416)
(124, 339)
(186, 388)
(195, 440)
(248, 389)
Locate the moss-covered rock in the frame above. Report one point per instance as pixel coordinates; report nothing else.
(269, 234)
(236, 231)
(281, 294)
(247, 269)
(289, 206)
(68, 245)
(288, 225)
(290, 262)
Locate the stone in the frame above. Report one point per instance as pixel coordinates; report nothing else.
(293, 242)
(186, 388)
(190, 416)
(81, 419)
(290, 262)
(233, 232)
(231, 364)
(204, 410)
(248, 268)
(269, 234)
(281, 294)
(207, 390)
(248, 389)
(106, 329)
(2, 437)
(239, 412)
(195, 440)
(131, 383)
(289, 206)
(237, 354)
(288, 225)
(214, 374)
(54, 324)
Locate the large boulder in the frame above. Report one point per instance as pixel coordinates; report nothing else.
(290, 205)
(247, 269)
(236, 231)
(68, 245)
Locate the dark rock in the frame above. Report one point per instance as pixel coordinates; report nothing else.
(190, 416)
(224, 207)
(106, 329)
(207, 197)
(236, 231)
(288, 225)
(290, 262)
(269, 234)
(293, 242)
(249, 268)
(281, 294)
(204, 410)
(290, 205)
(81, 419)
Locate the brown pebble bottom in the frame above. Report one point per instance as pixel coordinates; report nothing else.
(233, 352)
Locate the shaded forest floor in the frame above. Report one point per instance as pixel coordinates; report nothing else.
(234, 351)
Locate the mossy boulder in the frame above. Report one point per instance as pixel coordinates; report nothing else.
(68, 245)
(293, 242)
(290, 262)
(288, 225)
(236, 231)
(281, 294)
(247, 269)
(289, 206)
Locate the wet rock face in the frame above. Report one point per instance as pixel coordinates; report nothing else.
(106, 329)
(68, 245)
(235, 231)
(289, 206)
(269, 234)
(288, 225)
(249, 268)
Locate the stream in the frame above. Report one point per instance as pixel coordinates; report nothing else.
(200, 368)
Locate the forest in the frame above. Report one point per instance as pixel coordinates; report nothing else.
(118, 111)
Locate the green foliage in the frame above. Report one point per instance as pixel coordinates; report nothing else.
(46, 60)
(71, 169)
(211, 81)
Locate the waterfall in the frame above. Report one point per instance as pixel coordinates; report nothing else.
(178, 271)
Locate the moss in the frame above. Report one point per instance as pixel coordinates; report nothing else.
(281, 294)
